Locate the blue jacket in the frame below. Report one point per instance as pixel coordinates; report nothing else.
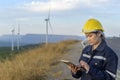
(102, 61)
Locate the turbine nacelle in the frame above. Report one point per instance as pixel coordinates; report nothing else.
(47, 19)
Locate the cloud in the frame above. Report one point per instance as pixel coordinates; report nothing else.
(61, 5)
(53, 4)
(22, 19)
(93, 3)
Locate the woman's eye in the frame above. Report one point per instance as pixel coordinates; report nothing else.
(90, 35)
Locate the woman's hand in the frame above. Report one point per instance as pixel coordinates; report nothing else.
(84, 65)
(73, 68)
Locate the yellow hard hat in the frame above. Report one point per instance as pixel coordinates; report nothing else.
(92, 25)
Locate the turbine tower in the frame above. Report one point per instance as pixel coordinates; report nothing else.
(48, 24)
(47, 19)
(12, 46)
(18, 38)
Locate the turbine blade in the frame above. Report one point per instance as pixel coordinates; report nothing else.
(50, 26)
(49, 14)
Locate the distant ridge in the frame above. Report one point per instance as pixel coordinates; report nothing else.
(5, 40)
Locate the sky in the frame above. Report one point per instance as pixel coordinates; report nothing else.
(67, 17)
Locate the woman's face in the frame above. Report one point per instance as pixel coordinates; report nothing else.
(93, 38)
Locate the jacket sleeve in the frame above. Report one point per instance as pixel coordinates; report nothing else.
(110, 69)
(77, 74)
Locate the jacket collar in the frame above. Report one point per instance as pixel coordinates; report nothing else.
(101, 46)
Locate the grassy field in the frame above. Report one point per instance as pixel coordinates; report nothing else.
(34, 63)
(5, 52)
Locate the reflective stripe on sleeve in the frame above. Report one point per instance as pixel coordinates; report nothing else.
(99, 57)
(95, 57)
(85, 55)
(113, 75)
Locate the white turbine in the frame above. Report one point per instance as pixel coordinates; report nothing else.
(18, 38)
(12, 46)
(48, 24)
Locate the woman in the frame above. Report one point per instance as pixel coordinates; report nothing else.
(97, 61)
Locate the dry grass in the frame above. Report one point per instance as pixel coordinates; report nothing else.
(33, 64)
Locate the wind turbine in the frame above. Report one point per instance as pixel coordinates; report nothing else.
(12, 46)
(48, 24)
(18, 38)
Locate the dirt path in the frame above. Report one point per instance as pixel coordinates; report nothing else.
(61, 71)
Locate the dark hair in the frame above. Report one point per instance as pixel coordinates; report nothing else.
(102, 34)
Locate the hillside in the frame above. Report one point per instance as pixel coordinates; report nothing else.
(34, 64)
